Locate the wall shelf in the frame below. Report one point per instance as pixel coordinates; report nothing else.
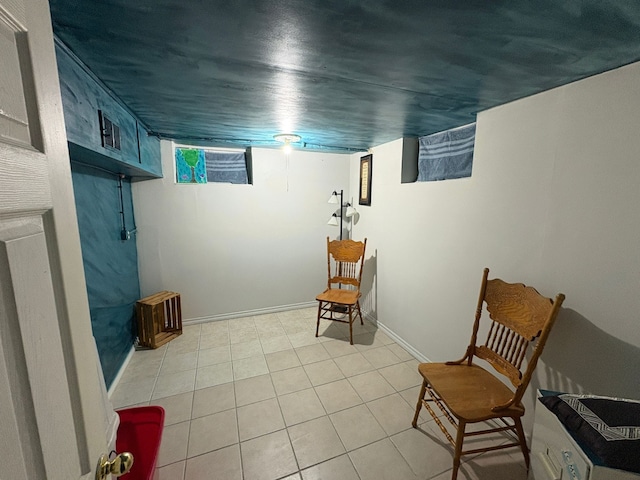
(86, 101)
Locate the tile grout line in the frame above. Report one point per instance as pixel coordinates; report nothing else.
(157, 376)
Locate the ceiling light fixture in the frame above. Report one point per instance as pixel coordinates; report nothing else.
(287, 139)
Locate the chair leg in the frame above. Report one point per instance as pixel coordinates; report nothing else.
(318, 322)
(423, 389)
(351, 324)
(359, 312)
(523, 441)
(458, 450)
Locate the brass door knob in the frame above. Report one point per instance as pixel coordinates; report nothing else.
(117, 467)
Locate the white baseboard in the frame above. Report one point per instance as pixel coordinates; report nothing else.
(398, 339)
(123, 367)
(248, 313)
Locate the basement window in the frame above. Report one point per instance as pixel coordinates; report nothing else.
(212, 165)
(446, 155)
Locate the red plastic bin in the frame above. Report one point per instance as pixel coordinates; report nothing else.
(140, 432)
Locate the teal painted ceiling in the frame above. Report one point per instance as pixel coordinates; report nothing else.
(342, 74)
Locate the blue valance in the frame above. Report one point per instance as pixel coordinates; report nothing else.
(446, 155)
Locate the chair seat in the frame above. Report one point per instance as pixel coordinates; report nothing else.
(469, 391)
(340, 296)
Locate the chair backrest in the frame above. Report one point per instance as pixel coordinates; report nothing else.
(520, 320)
(345, 259)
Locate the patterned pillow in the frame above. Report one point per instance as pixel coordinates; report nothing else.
(609, 427)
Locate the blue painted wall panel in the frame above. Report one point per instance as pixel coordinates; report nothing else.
(110, 264)
(82, 98)
(150, 153)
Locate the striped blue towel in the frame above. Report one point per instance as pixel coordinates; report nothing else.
(446, 155)
(226, 167)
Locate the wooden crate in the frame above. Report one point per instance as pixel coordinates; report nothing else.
(159, 319)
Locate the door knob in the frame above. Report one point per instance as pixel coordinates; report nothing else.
(117, 467)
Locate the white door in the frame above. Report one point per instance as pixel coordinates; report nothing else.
(55, 420)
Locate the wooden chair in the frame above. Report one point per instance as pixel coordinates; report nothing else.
(345, 259)
(466, 393)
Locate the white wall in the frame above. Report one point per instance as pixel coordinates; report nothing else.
(553, 202)
(239, 248)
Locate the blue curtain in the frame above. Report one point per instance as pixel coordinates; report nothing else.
(446, 155)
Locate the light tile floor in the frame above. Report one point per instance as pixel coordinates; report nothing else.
(261, 398)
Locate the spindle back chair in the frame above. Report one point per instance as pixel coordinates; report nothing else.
(520, 320)
(340, 301)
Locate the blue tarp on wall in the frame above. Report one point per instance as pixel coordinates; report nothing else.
(110, 263)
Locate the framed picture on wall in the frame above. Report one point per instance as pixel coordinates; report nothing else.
(365, 179)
